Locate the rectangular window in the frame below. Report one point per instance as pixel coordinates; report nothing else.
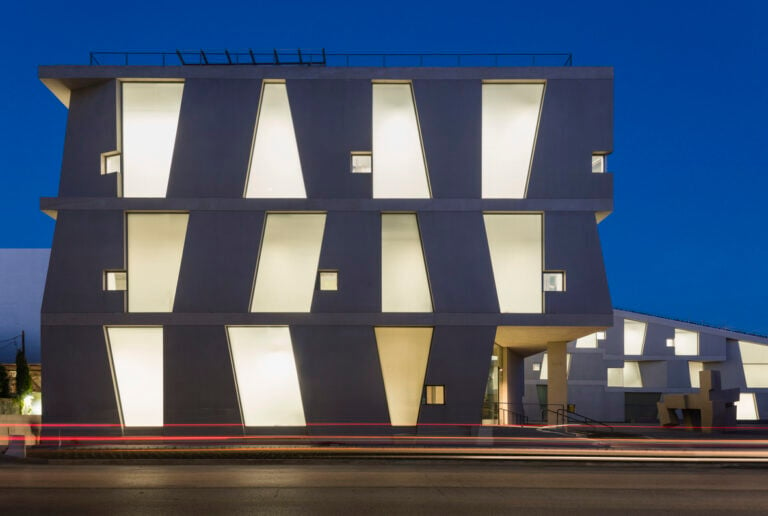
(598, 163)
(110, 163)
(686, 342)
(537, 366)
(670, 343)
(435, 394)
(754, 359)
(329, 280)
(554, 281)
(634, 337)
(115, 280)
(361, 163)
(601, 335)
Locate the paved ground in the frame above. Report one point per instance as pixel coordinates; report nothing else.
(382, 487)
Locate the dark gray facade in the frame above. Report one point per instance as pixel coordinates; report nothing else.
(334, 345)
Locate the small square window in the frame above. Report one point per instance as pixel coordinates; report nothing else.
(435, 394)
(598, 163)
(115, 280)
(329, 280)
(362, 163)
(537, 366)
(554, 281)
(111, 163)
(670, 343)
(601, 335)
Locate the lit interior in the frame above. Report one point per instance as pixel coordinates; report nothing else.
(587, 342)
(628, 376)
(403, 353)
(265, 372)
(694, 368)
(150, 118)
(515, 244)
(275, 169)
(137, 362)
(401, 169)
(435, 394)
(598, 163)
(404, 282)
(155, 247)
(634, 337)
(615, 376)
(287, 270)
(509, 127)
(686, 342)
(746, 407)
(754, 358)
(329, 280)
(554, 281)
(115, 280)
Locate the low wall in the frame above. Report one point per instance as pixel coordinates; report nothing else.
(28, 426)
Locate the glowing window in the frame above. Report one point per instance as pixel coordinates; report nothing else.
(694, 368)
(361, 163)
(329, 280)
(587, 342)
(110, 163)
(287, 270)
(155, 247)
(404, 283)
(401, 169)
(434, 394)
(554, 281)
(544, 369)
(754, 358)
(275, 169)
(137, 364)
(115, 280)
(598, 163)
(600, 335)
(150, 118)
(537, 366)
(509, 127)
(746, 407)
(628, 376)
(686, 342)
(265, 373)
(403, 353)
(615, 376)
(634, 337)
(670, 343)
(515, 244)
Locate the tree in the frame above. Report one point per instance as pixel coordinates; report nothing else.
(5, 383)
(23, 378)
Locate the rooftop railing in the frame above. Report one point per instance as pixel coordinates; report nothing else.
(319, 57)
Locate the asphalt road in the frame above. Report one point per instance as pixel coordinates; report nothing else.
(382, 487)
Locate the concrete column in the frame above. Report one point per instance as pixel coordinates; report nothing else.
(557, 382)
(515, 384)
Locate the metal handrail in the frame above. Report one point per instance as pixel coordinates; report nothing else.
(567, 415)
(319, 57)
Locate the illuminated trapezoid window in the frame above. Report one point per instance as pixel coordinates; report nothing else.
(265, 373)
(754, 358)
(404, 281)
(403, 354)
(746, 407)
(628, 376)
(155, 247)
(544, 366)
(137, 364)
(587, 342)
(515, 244)
(287, 270)
(399, 166)
(634, 337)
(509, 128)
(686, 342)
(275, 168)
(150, 119)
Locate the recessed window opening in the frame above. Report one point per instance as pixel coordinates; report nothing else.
(329, 280)
(434, 394)
(115, 280)
(554, 281)
(110, 163)
(601, 335)
(361, 162)
(670, 343)
(598, 163)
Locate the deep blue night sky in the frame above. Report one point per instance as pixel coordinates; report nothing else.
(687, 238)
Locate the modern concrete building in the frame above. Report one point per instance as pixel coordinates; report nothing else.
(298, 246)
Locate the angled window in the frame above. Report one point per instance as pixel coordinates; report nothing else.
(404, 282)
(110, 163)
(361, 162)
(155, 246)
(587, 342)
(137, 366)
(634, 337)
(401, 169)
(694, 368)
(150, 118)
(115, 280)
(686, 342)
(275, 169)
(265, 374)
(509, 128)
(403, 354)
(746, 407)
(287, 269)
(754, 358)
(515, 243)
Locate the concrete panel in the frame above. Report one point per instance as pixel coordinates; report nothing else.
(85, 243)
(654, 374)
(678, 374)
(450, 117)
(77, 386)
(339, 374)
(711, 345)
(572, 244)
(91, 130)
(213, 141)
(595, 402)
(732, 369)
(458, 262)
(219, 260)
(656, 336)
(351, 245)
(576, 121)
(459, 359)
(199, 386)
(587, 365)
(332, 118)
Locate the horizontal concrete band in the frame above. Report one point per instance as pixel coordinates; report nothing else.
(392, 205)
(325, 319)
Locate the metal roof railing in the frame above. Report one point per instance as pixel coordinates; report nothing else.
(319, 57)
